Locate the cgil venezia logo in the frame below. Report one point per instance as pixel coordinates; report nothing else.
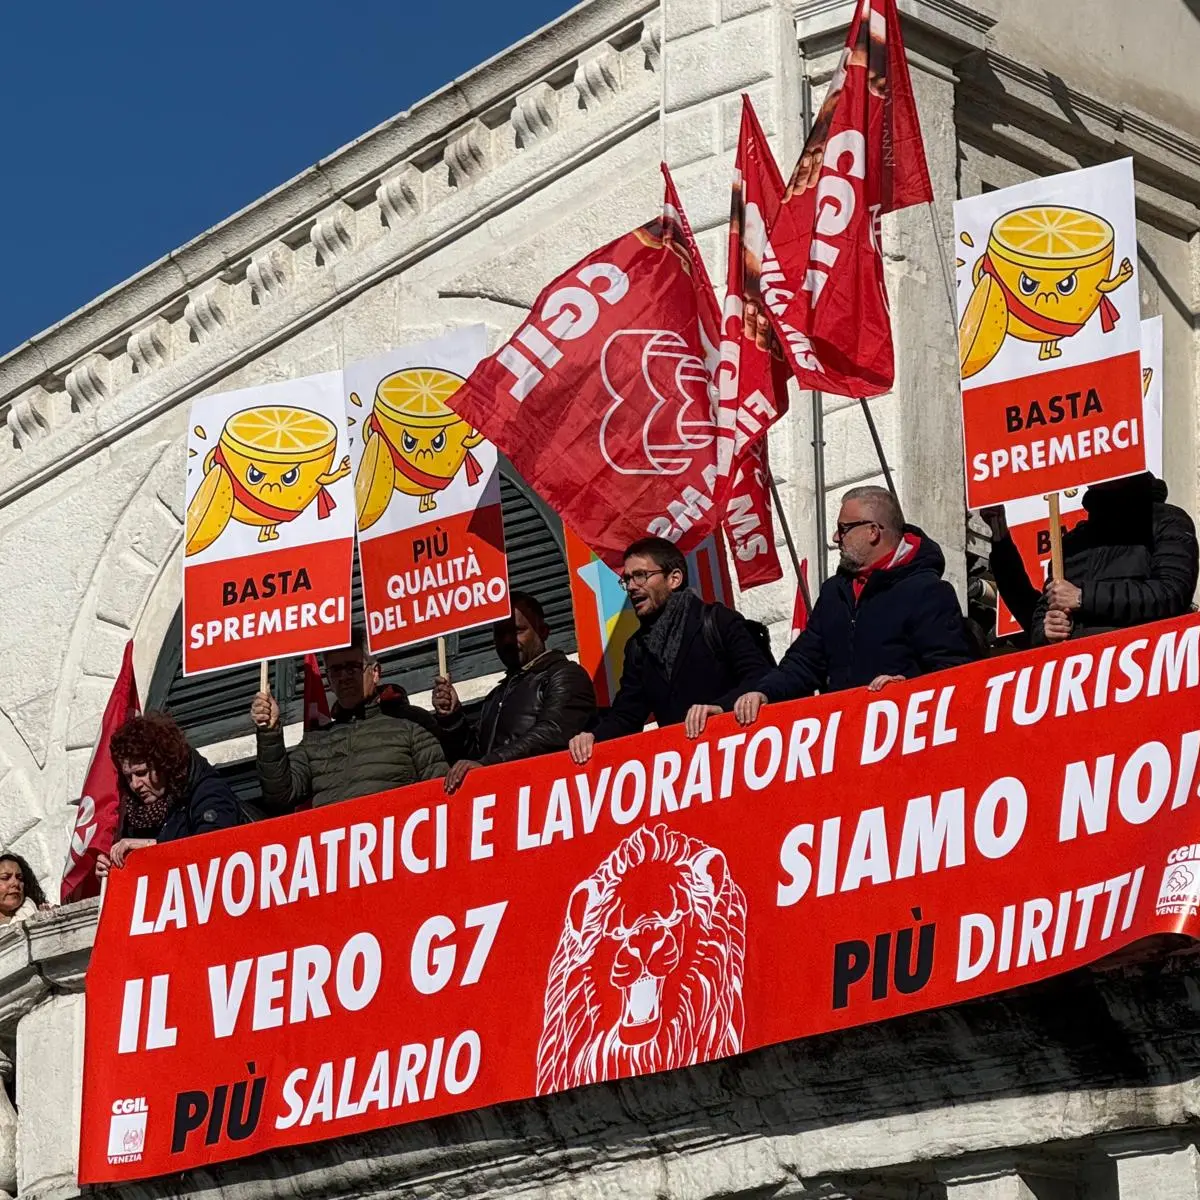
(1179, 892)
(127, 1130)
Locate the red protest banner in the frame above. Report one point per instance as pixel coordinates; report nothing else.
(427, 487)
(270, 525)
(847, 859)
(1050, 263)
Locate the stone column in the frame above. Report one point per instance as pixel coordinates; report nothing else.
(49, 1091)
(713, 51)
(1164, 1172)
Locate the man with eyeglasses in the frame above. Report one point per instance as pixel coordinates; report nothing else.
(375, 740)
(685, 653)
(887, 614)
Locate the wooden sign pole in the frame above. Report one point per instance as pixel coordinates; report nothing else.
(1056, 550)
(263, 682)
(442, 671)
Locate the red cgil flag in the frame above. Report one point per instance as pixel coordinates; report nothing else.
(606, 399)
(864, 157)
(801, 611)
(748, 523)
(753, 375)
(99, 816)
(316, 702)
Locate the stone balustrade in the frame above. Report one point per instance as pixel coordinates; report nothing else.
(1082, 1087)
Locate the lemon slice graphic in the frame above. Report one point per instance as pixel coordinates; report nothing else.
(418, 396)
(280, 434)
(1050, 237)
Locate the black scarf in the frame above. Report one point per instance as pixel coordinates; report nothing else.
(665, 635)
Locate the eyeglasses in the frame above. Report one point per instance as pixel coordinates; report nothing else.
(344, 668)
(637, 577)
(844, 527)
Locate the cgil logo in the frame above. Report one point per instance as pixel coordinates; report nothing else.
(127, 1130)
(1179, 893)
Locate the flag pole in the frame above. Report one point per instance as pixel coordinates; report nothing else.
(818, 445)
(883, 462)
(791, 545)
(818, 401)
(947, 274)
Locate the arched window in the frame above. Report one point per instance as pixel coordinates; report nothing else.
(215, 708)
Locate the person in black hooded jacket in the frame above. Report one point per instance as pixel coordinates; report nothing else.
(886, 615)
(543, 700)
(167, 790)
(1132, 561)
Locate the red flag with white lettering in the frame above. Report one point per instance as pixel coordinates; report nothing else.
(99, 817)
(864, 157)
(605, 399)
(749, 525)
(753, 375)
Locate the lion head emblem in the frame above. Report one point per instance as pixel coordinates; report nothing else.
(647, 975)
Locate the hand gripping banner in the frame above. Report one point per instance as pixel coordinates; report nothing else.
(847, 859)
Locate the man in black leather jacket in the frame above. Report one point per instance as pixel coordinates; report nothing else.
(539, 705)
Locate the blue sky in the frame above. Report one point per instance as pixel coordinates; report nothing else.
(128, 127)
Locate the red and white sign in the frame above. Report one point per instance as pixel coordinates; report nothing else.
(270, 524)
(1029, 520)
(1049, 334)
(427, 490)
(847, 859)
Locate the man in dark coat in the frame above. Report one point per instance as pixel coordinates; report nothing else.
(684, 655)
(371, 744)
(1132, 561)
(885, 616)
(539, 705)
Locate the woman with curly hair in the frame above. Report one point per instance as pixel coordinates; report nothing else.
(168, 791)
(20, 893)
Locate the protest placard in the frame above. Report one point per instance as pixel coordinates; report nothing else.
(847, 859)
(1028, 520)
(269, 532)
(427, 492)
(1049, 334)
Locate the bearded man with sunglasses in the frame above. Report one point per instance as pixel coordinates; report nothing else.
(885, 616)
(685, 653)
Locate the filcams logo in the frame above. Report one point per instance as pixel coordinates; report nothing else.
(127, 1130)
(1179, 893)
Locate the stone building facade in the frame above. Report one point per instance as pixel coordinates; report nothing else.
(457, 212)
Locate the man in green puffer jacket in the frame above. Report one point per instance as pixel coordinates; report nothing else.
(372, 743)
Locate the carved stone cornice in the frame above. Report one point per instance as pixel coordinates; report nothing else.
(535, 114)
(274, 293)
(548, 55)
(332, 233)
(401, 194)
(207, 311)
